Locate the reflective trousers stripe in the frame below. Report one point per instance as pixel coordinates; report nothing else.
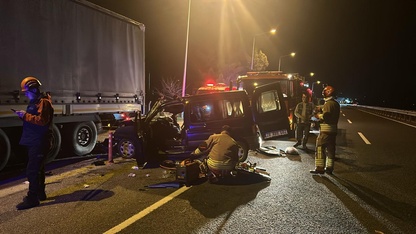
(319, 157)
(330, 162)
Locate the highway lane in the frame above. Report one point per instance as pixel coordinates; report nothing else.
(363, 196)
(382, 172)
(389, 160)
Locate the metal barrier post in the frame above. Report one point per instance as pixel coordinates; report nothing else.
(110, 148)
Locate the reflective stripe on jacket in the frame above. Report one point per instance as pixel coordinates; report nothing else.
(330, 116)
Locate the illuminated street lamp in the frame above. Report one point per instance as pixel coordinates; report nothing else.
(280, 59)
(272, 31)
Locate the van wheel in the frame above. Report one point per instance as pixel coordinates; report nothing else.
(242, 151)
(55, 144)
(84, 137)
(4, 144)
(128, 148)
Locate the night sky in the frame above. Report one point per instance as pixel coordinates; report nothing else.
(366, 49)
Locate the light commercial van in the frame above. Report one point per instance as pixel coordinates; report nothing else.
(179, 126)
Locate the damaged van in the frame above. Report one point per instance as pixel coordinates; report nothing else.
(178, 126)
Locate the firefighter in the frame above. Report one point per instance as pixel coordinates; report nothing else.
(36, 137)
(220, 152)
(325, 143)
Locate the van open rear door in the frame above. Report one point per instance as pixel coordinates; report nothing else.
(269, 111)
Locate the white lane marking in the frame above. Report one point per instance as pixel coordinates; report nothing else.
(349, 121)
(146, 211)
(343, 114)
(364, 138)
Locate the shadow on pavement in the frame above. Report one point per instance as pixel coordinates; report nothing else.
(79, 195)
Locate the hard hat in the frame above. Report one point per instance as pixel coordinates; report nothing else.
(29, 82)
(328, 91)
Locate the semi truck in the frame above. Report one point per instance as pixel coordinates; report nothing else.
(89, 59)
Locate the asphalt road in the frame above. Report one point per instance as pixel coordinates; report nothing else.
(372, 191)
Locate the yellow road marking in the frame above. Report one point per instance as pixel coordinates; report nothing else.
(146, 211)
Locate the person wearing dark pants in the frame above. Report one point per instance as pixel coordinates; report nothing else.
(303, 113)
(36, 136)
(326, 141)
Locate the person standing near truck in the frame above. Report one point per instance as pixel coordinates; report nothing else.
(303, 112)
(325, 142)
(36, 136)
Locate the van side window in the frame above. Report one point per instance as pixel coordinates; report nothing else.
(232, 108)
(202, 111)
(268, 101)
(218, 110)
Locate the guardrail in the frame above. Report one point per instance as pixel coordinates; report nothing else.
(406, 116)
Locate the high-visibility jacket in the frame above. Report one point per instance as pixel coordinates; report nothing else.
(37, 121)
(330, 116)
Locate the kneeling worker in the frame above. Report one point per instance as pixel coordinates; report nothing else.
(221, 151)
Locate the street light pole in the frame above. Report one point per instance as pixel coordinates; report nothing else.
(272, 31)
(186, 50)
(252, 53)
(313, 85)
(280, 58)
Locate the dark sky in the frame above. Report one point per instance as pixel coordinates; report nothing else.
(366, 49)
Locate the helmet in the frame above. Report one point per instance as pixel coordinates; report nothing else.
(328, 91)
(29, 82)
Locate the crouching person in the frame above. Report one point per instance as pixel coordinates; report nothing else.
(220, 152)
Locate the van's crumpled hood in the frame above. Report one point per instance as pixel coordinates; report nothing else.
(174, 106)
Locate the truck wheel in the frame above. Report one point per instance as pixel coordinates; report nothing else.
(84, 137)
(5, 154)
(55, 146)
(242, 151)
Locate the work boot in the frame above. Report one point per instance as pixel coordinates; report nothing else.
(329, 170)
(42, 196)
(318, 170)
(28, 202)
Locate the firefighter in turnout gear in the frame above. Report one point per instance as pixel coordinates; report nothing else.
(325, 143)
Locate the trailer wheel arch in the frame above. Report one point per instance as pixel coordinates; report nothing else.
(84, 137)
(4, 155)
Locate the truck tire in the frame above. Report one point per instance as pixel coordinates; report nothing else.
(4, 154)
(56, 144)
(242, 151)
(84, 137)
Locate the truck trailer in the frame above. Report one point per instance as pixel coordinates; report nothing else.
(89, 59)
